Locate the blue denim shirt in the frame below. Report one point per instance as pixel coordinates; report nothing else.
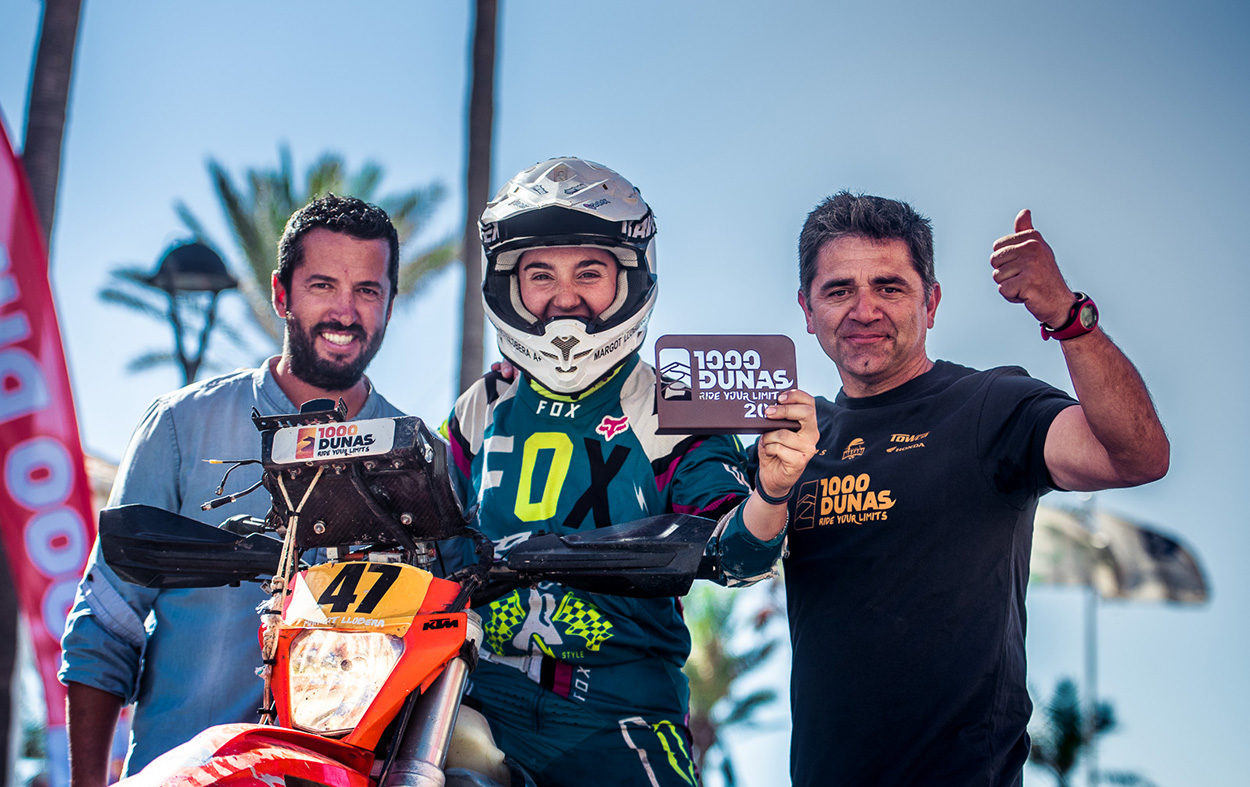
(187, 658)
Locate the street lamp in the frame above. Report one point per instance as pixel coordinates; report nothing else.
(192, 273)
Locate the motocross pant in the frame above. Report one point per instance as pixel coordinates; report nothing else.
(561, 742)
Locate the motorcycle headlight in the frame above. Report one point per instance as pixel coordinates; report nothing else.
(334, 676)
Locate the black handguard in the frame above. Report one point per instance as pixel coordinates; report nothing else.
(159, 549)
(649, 558)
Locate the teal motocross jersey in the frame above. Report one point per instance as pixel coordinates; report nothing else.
(532, 460)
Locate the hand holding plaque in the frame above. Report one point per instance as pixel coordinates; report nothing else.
(722, 384)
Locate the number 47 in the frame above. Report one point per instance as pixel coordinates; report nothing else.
(340, 594)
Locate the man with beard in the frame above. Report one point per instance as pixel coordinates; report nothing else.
(187, 658)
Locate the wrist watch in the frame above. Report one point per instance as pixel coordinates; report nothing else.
(1082, 318)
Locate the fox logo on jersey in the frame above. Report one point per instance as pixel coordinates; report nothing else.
(610, 427)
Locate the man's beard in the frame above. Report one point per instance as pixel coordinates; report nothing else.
(319, 372)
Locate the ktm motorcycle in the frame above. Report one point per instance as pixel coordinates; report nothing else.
(366, 652)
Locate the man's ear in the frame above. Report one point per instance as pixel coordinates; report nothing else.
(278, 295)
(934, 298)
(807, 313)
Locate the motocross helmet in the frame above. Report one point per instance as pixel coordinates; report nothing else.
(569, 202)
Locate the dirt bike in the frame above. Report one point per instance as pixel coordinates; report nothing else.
(366, 653)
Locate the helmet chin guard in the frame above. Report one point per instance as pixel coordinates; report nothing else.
(566, 357)
(569, 202)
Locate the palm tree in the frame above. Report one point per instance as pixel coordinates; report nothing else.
(1066, 734)
(41, 158)
(256, 212)
(479, 128)
(715, 619)
(46, 108)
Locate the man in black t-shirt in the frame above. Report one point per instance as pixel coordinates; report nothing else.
(911, 529)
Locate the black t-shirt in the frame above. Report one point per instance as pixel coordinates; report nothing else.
(909, 554)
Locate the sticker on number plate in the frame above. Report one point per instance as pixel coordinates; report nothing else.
(333, 441)
(359, 595)
(717, 384)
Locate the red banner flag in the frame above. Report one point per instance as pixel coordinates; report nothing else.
(45, 502)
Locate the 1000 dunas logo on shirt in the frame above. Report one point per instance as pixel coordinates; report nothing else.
(841, 500)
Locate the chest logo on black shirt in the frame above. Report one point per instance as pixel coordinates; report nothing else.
(906, 442)
(853, 449)
(848, 500)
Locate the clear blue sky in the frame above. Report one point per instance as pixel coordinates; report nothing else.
(1122, 125)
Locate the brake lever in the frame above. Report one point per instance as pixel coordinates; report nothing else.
(246, 525)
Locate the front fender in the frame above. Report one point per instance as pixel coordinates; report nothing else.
(256, 755)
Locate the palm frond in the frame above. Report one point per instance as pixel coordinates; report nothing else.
(365, 182)
(416, 274)
(132, 275)
(750, 659)
(411, 209)
(128, 300)
(238, 216)
(191, 221)
(744, 709)
(325, 175)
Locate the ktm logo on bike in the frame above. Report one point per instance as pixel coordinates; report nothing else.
(441, 623)
(610, 427)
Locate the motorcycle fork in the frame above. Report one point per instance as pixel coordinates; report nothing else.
(423, 744)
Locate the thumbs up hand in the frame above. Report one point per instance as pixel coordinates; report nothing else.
(1026, 272)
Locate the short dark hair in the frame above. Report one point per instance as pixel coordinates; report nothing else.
(346, 215)
(864, 216)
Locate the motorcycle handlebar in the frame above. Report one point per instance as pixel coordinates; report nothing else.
(658, 556)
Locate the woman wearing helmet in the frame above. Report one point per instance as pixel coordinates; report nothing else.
(578, 685)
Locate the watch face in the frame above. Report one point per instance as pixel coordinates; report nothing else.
(1088, 315)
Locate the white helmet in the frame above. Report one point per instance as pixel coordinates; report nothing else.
(569, 202)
